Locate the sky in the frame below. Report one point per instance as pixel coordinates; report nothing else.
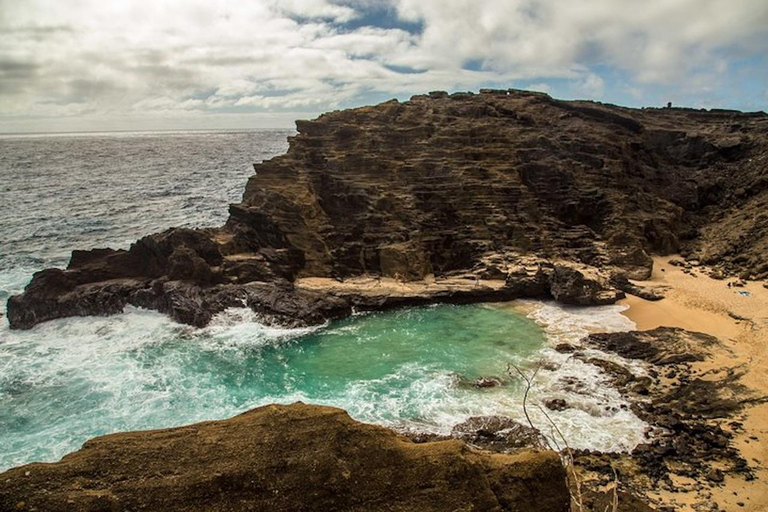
(98, 65)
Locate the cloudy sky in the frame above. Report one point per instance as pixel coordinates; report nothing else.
(82, 65)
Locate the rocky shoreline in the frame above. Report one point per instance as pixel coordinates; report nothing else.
(55, 293)
(296, 457)
(285, 458)
(692, 412)
(561, 199)
(446, 198)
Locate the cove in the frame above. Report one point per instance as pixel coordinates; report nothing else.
(69, 380)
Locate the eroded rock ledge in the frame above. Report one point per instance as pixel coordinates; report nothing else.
(556, 198)
(286, 458)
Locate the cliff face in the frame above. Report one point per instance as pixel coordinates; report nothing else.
(481, 184)
(285, 458)
(436, 183)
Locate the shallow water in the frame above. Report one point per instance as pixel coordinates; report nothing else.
(68, 380)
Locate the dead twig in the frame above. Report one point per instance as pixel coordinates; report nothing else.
(566, 456)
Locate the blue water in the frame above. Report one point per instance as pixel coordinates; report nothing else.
(71, 379)
(65, 192)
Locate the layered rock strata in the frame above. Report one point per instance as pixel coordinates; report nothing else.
(556, 198)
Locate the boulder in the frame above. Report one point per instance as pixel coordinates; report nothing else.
(498, 433)
(186, 264)
(487, 382)
(571, 286)
(621, 282)
(556, 404)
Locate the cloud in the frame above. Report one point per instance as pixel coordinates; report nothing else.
(314, 9)
(655, 40)
(93, 59)
(591, 86)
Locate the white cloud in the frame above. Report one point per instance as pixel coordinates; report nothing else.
(314, 9)
(591, 86)
(199, 58)
(656, 40)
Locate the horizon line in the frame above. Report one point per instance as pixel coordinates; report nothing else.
(166, 130)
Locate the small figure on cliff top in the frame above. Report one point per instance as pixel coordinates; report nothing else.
(669, 104)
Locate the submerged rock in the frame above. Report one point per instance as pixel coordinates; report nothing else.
(285, 458)
(487, 382)
(556, 404)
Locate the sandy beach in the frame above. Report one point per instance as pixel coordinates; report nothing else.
(738, 316)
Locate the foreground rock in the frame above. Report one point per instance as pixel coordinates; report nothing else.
(552, 197)
(285, 458)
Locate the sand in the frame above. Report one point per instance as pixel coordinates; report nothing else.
(697, 302)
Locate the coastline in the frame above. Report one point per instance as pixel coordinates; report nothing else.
(350, 199)
(697, 302)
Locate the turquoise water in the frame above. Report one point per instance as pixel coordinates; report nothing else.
(66, 381)
(69, 380)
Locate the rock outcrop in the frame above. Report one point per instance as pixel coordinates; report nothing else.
(286, 458)
(498, 433)
(693, 412)
(506, 185)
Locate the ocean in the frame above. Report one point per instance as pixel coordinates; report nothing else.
(68, 380)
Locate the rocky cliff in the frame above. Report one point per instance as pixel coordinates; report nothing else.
(286, 458)
(562, 199)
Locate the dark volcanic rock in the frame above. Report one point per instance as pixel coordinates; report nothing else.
(690, 411)
(660, 346)
(570, 286)
(487, 382)
(621, 282)
(556, 404)
(279, 303)
(285, 458)
(498, 433)
(446, 183)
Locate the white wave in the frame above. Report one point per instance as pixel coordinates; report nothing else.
(140, 370)
(568, 324)
(598, 416)
(241, 326)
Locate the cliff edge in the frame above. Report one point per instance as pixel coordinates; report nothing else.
(285, 458)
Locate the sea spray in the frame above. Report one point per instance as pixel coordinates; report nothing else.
(411, 369)
(597, 416)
